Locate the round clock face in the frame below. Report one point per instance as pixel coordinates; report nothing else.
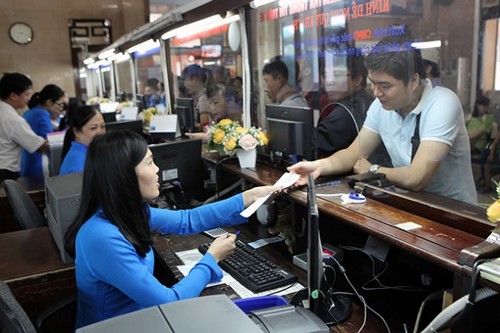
(21, 33)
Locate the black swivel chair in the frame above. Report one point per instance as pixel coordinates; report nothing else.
(13, 318)
(25, 210)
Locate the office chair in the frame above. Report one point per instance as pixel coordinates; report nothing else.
(25, 210)
(13, 319)
(57, 318)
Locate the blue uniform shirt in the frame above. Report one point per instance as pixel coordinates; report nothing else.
(74, 161)
(112, 279)
(39, 120)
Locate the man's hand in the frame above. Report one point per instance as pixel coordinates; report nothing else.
(362, 166)
(303, 169)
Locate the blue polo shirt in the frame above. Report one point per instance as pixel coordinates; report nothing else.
(74, 161)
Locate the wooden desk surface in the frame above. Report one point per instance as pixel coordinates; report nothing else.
(436, 242)
(28, 253)
(167, 245)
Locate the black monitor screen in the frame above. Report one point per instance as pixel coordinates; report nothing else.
(109, 117)
(291, 131)
(140, 102)
(181, 168)
(131, 125)
(185, 114)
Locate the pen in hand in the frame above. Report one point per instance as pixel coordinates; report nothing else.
(237, 233)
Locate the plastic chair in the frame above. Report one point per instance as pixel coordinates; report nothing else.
(13, 318)
(25, 210)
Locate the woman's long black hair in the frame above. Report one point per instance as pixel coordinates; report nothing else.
(110, 184)
(77, 118)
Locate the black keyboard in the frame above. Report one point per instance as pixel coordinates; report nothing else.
(253, 270)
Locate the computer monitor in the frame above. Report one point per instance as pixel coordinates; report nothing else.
(314, 252)
(140, 102)
(331, 308)
(109, 117)
(181, 170)
(292, 134)
(131, 125)
(184, 109)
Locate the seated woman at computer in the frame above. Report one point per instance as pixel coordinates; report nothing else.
(222, 105)
(44, 106)
(85, 122)
(112, 234)
(152, 95)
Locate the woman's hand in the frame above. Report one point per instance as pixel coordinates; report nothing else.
(222, 247)
(249, 196)
(303, 169)
(203, 136)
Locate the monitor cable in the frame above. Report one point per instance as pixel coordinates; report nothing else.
(361, 298)
(217, 165)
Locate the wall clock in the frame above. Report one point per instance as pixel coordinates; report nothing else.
(21, 33)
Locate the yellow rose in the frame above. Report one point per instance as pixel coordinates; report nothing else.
(263, 138)
(230, 144)
(218, 136)
(241, 130)
(493, 212)
(148, 115)
(225, 122)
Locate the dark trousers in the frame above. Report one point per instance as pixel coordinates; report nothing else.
(7, 174)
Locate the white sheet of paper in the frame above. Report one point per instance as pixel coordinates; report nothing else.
(191, 257)
(286, 180)
(130, 112)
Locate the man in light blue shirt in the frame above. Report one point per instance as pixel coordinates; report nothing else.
(439, 162)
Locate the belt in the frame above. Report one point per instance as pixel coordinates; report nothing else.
(7, 174)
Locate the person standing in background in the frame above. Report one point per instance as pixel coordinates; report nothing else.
(431, 60)
(481, 136)
(15, 133)
(196, 80)
(45, 106)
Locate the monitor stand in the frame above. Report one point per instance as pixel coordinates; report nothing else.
(332, 311)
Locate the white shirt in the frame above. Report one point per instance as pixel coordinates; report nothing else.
(15, 134)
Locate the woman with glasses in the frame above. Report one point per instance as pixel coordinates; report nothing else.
(44, 106)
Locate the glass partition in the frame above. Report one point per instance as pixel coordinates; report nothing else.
(206, 65)
(321, 41)
(123, 78)
(149, 76)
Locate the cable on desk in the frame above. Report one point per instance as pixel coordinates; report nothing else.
(219, 162)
